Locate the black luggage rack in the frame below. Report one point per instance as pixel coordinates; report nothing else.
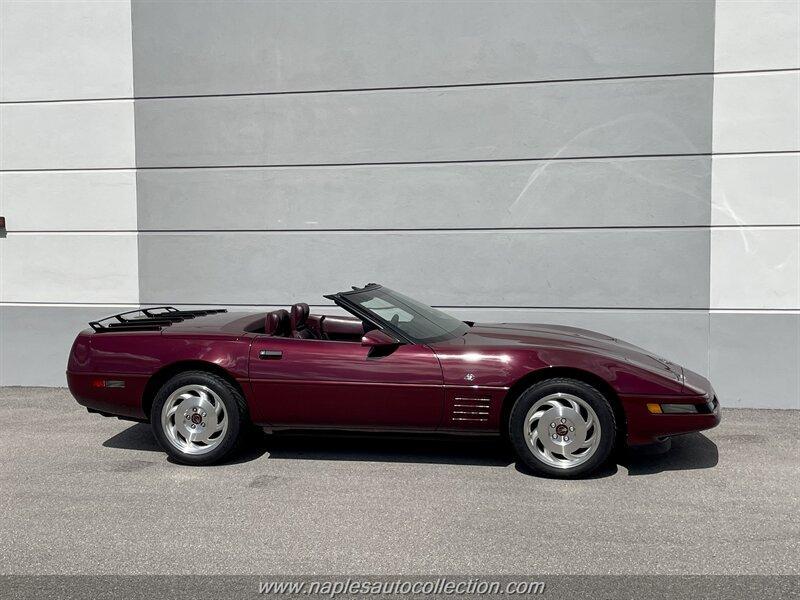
(149, 319)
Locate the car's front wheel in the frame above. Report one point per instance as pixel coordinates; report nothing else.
(198, 417)
(562, 427)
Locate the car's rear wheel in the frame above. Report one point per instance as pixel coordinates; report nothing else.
(198, 417)
(562, 427)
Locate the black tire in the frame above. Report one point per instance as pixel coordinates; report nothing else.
(585, 392)
(235, 411)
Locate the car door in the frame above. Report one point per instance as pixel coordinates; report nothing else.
(325, 383)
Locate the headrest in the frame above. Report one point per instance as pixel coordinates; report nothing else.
(277, 323)
(298, 315)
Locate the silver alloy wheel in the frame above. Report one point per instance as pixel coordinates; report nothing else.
(562, 430)
(194, 419)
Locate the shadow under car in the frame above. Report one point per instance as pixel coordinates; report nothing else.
(690, 451)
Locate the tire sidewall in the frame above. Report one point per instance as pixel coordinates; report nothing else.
(590, 395)
(232, 408)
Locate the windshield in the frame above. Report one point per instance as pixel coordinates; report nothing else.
(417, 321)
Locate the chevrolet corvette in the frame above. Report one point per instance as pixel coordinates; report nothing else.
(565, 398)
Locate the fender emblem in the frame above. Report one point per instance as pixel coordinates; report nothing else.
(469, 377)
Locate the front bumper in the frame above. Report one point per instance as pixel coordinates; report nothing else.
(645, 427)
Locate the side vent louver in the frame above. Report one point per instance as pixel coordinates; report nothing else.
(470, 409)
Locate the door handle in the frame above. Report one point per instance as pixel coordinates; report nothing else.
(270, 355)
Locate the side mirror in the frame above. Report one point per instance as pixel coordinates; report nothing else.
(378, 339)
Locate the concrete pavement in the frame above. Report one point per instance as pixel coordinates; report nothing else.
(84, 494)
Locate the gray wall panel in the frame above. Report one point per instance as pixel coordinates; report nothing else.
(183, 48)
(596, 118)
(36, 340)
(555, 268)
(584, 193)
(755, 359)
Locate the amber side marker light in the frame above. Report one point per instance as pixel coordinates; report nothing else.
(672, 409)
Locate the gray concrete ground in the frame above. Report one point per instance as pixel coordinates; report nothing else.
(83, 494)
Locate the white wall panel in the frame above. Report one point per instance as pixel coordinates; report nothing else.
(68, 135)
(62, 49)
(755, 268)
(757, 34)
(756, 189)
(68, 200)
(757, 112)
(69, 268)
(754, 356)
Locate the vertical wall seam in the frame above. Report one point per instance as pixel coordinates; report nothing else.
(711, 191)
(135, 163)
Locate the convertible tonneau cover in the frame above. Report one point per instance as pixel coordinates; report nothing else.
(149, 319)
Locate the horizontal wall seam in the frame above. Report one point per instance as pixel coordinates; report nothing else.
(409, 87)
(270, 305)
(37, 304)
(78, 170)
(566, 228)
(754, 311)
(91, 232)
(408, 163)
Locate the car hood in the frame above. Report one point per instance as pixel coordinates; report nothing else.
(538, 336)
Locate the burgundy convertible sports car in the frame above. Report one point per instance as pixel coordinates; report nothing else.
(565, 397)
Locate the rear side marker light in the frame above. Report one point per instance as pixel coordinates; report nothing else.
(672, 409)
(107, 383)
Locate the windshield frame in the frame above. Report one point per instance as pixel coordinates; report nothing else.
(342, 299)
